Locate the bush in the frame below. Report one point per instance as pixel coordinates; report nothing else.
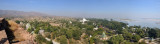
(116, 39)
(77, 34)
(69, 34)
(40, 39)
(49, 42)
(136, 38)
(62, 39)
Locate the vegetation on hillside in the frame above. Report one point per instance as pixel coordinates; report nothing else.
(76, 32)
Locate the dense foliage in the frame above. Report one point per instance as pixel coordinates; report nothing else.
(117, 32)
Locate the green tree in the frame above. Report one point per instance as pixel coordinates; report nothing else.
(77, 34)
(49, 42)
(140, 32)
(36, 31)
(136, 38)
(91, 41)
(40, 39)
(127, 36)
(63, 39)
(153, 33)
(126, 42)
(116, 39)
(30, 29)
(69, 34)
(17, 21)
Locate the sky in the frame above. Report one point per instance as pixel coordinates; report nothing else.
(88, 8)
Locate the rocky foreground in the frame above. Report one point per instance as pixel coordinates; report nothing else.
(20, 36)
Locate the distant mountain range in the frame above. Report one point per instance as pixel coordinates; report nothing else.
(4, 13)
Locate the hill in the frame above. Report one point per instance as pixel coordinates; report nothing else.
(13, 13)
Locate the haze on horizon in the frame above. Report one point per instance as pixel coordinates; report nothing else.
(88, 8)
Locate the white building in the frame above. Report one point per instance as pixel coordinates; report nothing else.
(21, 23)
(90, 36)
(96, 28)
(123, 28)
(83, 20)
(127, 25)
(48, 39)
(103, 36)
(94, 23)
(28, 26)
(54, 42)
(41, 31)
(70, 22)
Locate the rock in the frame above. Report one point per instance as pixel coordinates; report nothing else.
(3, 37)
(11, 32)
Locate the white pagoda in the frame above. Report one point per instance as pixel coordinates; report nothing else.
(83, 20)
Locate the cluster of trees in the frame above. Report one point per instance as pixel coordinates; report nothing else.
(116, 39)
(74, 30)
(40, 39)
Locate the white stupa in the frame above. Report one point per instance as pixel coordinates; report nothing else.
(83, 20)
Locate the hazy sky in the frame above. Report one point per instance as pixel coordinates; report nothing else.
(88, 8)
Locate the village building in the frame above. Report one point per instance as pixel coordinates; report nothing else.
(70, 22)
(103, 36)
(90, 36)
(28, 26)
(149, 40)
(96, 28)
(41, 32)
(48, 39)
